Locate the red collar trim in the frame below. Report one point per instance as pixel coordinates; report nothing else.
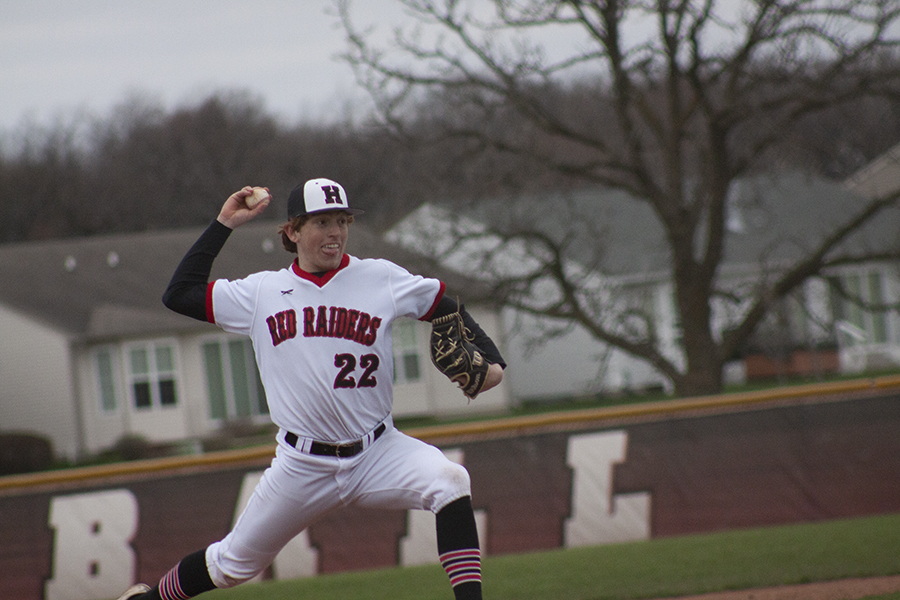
(325, 278)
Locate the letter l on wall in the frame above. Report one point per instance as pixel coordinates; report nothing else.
(598, 517)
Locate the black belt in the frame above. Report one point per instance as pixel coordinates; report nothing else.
(338, 450)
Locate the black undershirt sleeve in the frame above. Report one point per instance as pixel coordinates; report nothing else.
(186, 293)
(488, 348)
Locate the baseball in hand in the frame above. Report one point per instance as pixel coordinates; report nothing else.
(259, 194)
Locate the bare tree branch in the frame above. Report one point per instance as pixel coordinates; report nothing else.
(684, 99)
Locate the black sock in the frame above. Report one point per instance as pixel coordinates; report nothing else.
(457, 540)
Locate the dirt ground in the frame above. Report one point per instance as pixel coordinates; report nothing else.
(843, 589)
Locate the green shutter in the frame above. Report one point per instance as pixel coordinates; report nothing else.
(879, 318)
(107, 381)
(239, 377)
(215, 381)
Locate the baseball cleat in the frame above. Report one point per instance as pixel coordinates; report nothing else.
(135, 590)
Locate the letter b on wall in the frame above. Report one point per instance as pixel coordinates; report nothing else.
(92, 554)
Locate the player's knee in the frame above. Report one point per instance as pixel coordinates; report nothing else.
(233, 577)
(230, 581)
(227, 581)
(227, 570)
(455, 480)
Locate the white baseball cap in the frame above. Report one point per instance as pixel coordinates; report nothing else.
(318, 195)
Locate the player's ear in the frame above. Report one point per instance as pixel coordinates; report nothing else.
(291, 233)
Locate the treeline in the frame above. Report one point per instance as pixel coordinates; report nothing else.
(143, 168)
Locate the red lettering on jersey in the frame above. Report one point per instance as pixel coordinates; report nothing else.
(322, 322)
(340, 326)
(282, 326)
(309, 317)
(291, 323)
(287, 324)
(339, 322)
(331, 321)
(351, 324)
(361, 328)
(373, 331)
(273, 330)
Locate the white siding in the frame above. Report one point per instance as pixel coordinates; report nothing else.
(51, 387)
(193, 388)
(436, 395)
(101, 428)
(576, 364)
(158, 424)
(193, 385)
(36, 384)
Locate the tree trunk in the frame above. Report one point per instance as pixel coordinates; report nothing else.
(703, 376)
(702, 373)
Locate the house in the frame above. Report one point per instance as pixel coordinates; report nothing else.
(618, 244)
(89, 354)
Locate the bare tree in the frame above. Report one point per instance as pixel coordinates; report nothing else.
(142, 167)
(678, 99)
(40, 183)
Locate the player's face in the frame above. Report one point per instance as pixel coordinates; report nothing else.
(321, 241)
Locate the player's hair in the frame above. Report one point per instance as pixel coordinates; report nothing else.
(294, 224)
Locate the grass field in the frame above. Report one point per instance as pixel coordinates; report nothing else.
(731, 560)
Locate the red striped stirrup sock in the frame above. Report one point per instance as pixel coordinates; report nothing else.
(170, 586)
(463, 566)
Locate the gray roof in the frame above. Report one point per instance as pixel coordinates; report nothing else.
(772, 218)
(109, 286)
(878, 178)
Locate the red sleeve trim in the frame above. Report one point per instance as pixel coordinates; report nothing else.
(440, 294)
(209, 303)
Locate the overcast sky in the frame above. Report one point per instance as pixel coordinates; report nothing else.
(59, 56)
(62, 56)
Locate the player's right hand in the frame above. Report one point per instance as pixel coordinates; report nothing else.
(235, 213)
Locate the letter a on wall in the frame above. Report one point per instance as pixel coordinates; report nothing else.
(297, 558)
(419, 546)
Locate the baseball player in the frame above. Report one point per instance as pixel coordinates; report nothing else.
(321, 330)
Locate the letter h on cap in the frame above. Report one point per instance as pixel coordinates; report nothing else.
(332, 194)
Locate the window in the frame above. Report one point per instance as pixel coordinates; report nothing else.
(406, 352)
(105, 370)
(232, 380)
(849, 295)
(677, 331)
(878, 318)
(151, 375)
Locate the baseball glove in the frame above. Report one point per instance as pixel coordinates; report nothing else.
(454, 354)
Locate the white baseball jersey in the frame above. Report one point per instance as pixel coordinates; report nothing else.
(323, 345)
